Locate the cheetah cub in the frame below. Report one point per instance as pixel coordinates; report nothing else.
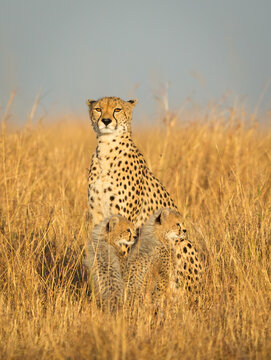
(107, 249)
(120, 181)
(163, 259)
(186, 268)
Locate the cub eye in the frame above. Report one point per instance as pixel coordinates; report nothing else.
(130, 233)
(98, 109)
(117, 110)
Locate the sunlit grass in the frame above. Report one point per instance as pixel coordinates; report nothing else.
(219, 172)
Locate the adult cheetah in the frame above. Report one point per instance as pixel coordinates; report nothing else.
(120, 181)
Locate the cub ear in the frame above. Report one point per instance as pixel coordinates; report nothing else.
(133, 102)
(161, 218)
(90, 102)
(112, 223)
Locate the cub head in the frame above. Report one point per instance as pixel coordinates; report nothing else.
(121, 234)
(168, 225)
(110, 115)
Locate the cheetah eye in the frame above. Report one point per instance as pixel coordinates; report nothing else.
(182, 228)
(117, 110)
(98, 109)
(131, 236)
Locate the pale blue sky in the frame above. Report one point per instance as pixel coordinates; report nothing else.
(73, 50)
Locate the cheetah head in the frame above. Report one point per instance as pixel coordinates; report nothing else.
(121, 234)
(168, 225)
(110, 115)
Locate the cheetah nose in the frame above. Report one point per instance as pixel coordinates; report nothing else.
(106, 121)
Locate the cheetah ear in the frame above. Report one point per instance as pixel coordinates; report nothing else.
(90, 102)
(112, 223)
(161, 218)
(133, 102)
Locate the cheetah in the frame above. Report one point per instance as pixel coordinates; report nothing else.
(119, 180)
(163, 259)
(107, 249)
(167, 227)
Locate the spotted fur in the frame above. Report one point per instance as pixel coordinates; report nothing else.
(120, 181)
(163, 259)
(107, 249)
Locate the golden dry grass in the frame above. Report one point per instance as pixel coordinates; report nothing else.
(219, 172)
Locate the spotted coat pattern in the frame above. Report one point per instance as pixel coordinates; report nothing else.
(120, 181)
(107, 248)
(163, 259)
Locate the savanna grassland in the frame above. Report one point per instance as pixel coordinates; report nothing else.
(218, 169)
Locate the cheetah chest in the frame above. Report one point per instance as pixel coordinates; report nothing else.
(101, 189)
(115, 183)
